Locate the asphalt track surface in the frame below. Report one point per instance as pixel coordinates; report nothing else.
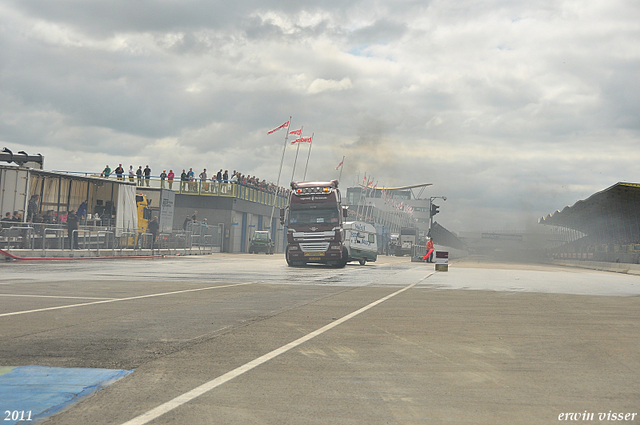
(244, 339)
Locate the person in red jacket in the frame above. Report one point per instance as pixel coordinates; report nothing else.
(429, 255)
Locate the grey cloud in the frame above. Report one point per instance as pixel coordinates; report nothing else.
(382, 31)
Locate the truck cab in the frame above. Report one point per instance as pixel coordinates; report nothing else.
(314, 224)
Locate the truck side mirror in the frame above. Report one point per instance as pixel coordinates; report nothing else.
(345, 212)
(282, 216)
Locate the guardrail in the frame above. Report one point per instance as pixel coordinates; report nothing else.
(99, 240)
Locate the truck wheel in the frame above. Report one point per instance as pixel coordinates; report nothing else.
(289, 262)
(345, 258)
(362, 261)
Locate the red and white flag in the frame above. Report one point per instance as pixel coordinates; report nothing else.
(340, 165)
(296, 132)
(302, 140)
(278, 128)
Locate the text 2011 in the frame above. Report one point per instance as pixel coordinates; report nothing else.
(15, 415)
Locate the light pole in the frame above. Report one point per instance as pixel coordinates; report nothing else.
(433, 210)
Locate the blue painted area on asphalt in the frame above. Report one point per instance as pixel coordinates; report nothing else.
(32, 393)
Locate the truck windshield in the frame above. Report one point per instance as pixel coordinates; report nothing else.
(314, 216)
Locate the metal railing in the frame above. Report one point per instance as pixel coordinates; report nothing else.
(98, 240)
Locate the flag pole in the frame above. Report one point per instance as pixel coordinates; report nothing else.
(341, 166)
(308, 155)
(275, 198)
(360, 201)
(296, 160)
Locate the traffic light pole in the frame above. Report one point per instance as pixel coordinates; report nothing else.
(433, 211)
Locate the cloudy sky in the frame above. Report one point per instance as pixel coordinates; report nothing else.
(512, 109)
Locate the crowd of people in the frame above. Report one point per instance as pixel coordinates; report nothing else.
(188, 181)
(45, 217)
(8, 219)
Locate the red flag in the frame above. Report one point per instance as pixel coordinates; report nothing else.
(278, 128)
(296, 132)
(302, 140)
(340, 165)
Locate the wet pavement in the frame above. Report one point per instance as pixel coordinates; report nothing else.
(481, 343)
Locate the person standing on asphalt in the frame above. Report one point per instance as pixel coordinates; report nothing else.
(153, 228)
(428, 257)
(72, 227)
(32, 207)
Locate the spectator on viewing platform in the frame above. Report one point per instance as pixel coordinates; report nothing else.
(203, 181)
(192, 180)
(119, 172)
(147, 174)
(170, 178)
(106, 172)
(139, 175)
(16, 217)
(183, 180)
(190, 183)
(163, 176)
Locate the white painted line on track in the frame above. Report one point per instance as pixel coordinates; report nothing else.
(113, 300)
(56, 296)
(208, 386)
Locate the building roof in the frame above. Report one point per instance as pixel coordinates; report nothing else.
(610, 216)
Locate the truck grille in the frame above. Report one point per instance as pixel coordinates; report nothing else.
(314, 246)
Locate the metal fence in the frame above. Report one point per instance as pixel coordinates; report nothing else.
(106, 240)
